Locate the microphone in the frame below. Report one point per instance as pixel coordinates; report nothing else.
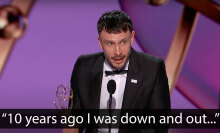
(111, 87)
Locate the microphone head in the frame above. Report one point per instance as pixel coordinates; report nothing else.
(111, 86)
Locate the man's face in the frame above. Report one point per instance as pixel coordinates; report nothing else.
(116, 47)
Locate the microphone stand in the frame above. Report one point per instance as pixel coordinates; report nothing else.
(110, 112)
(111, 86)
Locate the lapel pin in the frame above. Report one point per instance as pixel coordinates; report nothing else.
(133, 81)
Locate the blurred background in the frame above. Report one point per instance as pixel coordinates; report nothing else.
(61, 30)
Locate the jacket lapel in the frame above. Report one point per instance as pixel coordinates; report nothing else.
(133, 81)
(96, 82)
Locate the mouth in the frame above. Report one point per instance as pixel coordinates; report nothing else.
(118, 61)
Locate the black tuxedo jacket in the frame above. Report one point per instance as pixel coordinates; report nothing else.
(150, 92)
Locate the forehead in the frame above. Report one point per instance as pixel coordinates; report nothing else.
(114, 36)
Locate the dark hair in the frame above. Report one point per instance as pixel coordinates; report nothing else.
(114, 22)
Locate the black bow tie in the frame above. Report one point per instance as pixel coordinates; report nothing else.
(107, 73)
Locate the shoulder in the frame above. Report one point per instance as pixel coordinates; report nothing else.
(149, 57)
(89, 58)
(87, 61)
(144, 58)
(92, 56)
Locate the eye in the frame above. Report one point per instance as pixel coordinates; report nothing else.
(109, 43)
(124, 42)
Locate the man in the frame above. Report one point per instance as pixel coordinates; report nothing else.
(144, 86)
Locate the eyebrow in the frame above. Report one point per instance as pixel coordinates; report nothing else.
(124, 39)
(108, 41)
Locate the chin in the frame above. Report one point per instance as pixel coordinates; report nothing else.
(118, 66)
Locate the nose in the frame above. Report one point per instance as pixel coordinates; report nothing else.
(117, 50)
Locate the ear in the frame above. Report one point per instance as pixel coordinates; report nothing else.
(132, 37)
(99, 40)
